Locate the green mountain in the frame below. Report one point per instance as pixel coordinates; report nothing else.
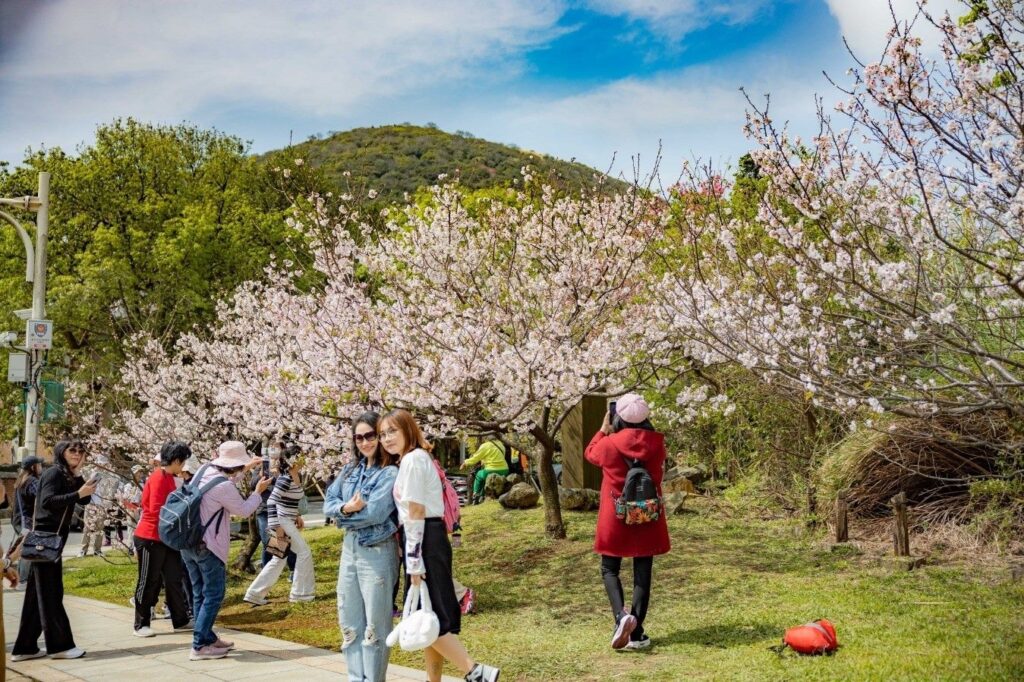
(397, 159)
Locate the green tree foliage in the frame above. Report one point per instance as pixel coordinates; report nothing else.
(399, 159)
(149, 227)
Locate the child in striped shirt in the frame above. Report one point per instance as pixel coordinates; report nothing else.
(283, 520)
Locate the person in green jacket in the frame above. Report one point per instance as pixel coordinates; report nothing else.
(492, 456)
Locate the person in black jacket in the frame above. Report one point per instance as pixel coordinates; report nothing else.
(61, 487)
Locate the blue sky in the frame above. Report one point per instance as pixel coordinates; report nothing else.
(587, 79)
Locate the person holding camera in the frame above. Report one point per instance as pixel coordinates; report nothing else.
(207, 563)
(284, 526)
(262, 512)
(61, 487)
(627, 440)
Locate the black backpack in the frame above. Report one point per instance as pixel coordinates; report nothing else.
(640, 502)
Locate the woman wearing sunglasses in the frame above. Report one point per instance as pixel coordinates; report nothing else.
(61, 487)
(361, 501)
(428, 552)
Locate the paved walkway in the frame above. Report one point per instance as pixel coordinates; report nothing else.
(104, 631)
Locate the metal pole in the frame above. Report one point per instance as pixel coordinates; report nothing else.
(35, 357)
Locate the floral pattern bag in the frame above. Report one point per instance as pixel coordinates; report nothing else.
(640, 501)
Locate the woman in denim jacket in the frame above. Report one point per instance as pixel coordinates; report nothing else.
(362, 502)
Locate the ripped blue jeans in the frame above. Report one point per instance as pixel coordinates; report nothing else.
(366, 576)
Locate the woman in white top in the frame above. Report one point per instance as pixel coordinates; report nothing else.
(428, 553)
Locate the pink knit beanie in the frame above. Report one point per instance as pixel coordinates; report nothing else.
(632, 408)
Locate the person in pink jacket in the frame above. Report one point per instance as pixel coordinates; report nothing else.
(207, 563)
(628, 437)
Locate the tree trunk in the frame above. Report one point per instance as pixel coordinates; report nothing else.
(243, 562)
(553, 524)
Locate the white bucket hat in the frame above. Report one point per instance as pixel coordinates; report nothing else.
(231, 454)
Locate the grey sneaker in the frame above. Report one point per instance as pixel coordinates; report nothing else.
(483, 673)
(207, 653)
(73, 652)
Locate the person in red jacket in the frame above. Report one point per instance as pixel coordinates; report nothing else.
(159, 565)
(629, 434)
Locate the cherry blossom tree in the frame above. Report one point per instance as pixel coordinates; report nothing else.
(884, 269)
(493, 313)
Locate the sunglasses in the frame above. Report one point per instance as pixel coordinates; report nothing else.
(366, 437)
(81, 451)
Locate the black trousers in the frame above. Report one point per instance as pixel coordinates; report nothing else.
(643, 566)
(159, 566)
(43, 612)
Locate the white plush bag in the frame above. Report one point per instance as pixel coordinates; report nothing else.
(418, 629)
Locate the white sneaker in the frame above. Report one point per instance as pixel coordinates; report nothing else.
(70, 653)
(145, 631)
(623, 630)
(27, 657)
(190, 625)
(483, 673)
(639, 644)
(254, 600)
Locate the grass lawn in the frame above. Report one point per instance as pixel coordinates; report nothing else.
(725, 594)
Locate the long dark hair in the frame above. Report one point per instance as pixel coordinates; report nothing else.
(371, 419)
(58, 456)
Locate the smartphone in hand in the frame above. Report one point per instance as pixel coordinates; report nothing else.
(611, 411)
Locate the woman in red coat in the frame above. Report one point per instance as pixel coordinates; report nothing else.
(630, 434)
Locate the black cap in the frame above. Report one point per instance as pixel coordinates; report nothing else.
(30, 462)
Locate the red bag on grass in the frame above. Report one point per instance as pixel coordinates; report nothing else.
(818, 637)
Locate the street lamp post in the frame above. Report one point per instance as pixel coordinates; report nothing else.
(35, 272)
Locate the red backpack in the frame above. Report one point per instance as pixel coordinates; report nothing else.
(814, 638)
(452, 511)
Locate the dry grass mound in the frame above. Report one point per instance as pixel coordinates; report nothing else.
(938, 463)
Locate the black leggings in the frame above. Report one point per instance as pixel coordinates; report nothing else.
(642, 569)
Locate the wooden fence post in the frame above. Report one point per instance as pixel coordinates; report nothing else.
(900, 527)
(842, 531)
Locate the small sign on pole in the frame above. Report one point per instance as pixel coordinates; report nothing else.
(39, 335)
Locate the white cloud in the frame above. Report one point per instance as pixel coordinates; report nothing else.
(698, 113)
(865, 23)
(675, 18)
(81, 63)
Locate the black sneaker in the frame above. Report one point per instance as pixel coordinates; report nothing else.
(483, 673)
(636, 645)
